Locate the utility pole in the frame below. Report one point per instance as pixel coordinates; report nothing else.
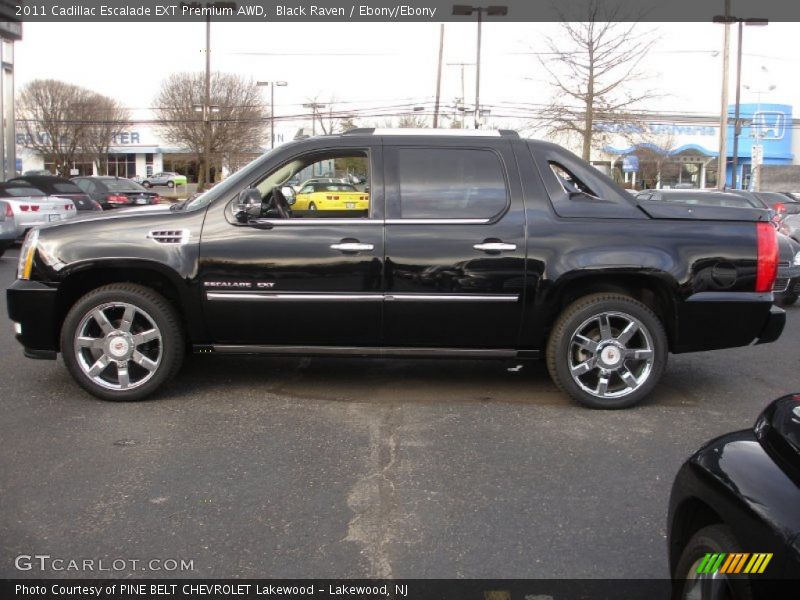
(463, 108)
(314, 106)
(271, 85)
(207, 106)
(722, 159)
(438, 78)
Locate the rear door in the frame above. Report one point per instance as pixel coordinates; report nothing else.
(455, 244)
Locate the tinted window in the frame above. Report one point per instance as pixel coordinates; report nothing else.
(450, 184)
(569, 181)
(21, 192)
(66, 188)
(123, 185)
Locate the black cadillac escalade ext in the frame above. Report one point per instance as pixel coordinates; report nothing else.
(402, 243)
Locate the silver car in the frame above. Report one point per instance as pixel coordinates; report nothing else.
(790, 225)
(31, 207)
(8, 227)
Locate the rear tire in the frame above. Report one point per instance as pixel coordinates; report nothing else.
(147, 184)
(607, 351)
(122, 341)
(170, 184)
(312, 206)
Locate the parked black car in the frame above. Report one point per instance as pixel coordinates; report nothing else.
(58, 186)
(737, 499)
(116, 192)
(475, 244)
(787, 283)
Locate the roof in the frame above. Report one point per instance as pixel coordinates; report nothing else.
(433, 132)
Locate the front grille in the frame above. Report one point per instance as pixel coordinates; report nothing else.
(170, 236)
(781, 283)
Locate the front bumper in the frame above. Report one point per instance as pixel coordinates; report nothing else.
(32, 305)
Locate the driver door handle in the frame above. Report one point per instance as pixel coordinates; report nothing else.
(352, 247)
(495, 247)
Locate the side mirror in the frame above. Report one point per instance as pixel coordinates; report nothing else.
(248, 205)
(288, 193)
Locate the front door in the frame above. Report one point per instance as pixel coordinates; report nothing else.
(311, 280)
(455, 246)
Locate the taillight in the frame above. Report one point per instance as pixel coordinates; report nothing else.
(35, 207)
(114, 199)
(9, 212)
(24, 207)
(767, 263)
(156, 199)
(780, 207)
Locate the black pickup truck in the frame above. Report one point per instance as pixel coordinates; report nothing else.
(400, 243)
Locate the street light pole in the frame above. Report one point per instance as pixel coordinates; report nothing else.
(492, 11)
(207, 107)
(722, 157)
(727, 20)
(272, 85)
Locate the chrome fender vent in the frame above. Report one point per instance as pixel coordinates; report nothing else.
(169, 236)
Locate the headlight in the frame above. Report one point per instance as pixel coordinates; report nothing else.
(26, 254)
(796, 261)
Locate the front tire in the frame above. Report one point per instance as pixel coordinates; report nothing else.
(121, 342)
(147, 184)
(170, 184)
(689, 584)
(312, 206)
(607, 351)
(786, 299)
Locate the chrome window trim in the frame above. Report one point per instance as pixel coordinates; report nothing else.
(437, 221)
(301, 222)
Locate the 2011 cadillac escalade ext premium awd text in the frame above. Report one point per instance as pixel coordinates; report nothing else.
(478, 244)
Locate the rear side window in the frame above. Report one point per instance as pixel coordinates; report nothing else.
(446, 183)
(66, 188)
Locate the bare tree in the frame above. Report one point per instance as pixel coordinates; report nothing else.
(109, 119)
(412, 121)
(594, 68)
(237, 119)
(54, 117)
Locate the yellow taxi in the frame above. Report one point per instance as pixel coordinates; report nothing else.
(330, 197)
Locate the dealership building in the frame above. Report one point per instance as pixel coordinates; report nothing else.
(663, 154)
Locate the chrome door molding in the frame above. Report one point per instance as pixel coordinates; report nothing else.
(317, 297)
(376, 351)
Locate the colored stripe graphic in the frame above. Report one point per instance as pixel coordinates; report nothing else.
(734, 563)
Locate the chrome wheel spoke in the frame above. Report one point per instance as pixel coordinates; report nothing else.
(90, 342)
(605, 327)
(602, 386)
(638, 354)
(146, 336)
(628, 377)
(123, 376)
(98, 367)
(630, 330)
(585, 343)
(127, 319)
(102, 320)
(583, 368)
(144, 362)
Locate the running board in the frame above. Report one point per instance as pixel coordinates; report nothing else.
(358, 351)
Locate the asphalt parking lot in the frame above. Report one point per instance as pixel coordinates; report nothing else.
(254, 467)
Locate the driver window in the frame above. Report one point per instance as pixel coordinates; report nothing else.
(330, 184)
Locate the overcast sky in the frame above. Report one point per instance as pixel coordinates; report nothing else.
(388, 63)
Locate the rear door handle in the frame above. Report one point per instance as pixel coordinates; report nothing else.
(495, 247)
(352, 247)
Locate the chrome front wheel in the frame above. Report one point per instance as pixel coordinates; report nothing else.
(118, 346)
(122, 341)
